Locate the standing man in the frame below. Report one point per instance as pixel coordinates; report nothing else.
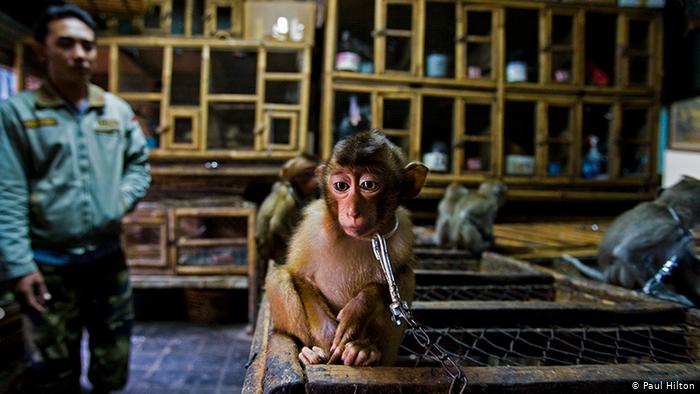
(73, 162)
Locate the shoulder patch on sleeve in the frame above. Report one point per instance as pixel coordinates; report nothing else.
(39, 122)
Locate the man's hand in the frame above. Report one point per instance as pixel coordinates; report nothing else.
(33, 289)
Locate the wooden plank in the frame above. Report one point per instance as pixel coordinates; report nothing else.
(181, 281)
(255, 368)
(569, 379)
(211, 270)
(209, 242)
(185, 170)
(220, 155)
(283, 372)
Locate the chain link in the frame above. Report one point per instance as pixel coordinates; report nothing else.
(400, 311)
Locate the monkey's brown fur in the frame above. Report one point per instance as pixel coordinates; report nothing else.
(281, 210)
(332, 295)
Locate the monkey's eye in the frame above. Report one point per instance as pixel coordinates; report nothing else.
(369, 185)
(341, 186)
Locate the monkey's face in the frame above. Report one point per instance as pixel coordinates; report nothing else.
(357, 195)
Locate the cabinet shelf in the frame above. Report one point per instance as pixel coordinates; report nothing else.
(478, 39)
(195, 243)
(476, 138)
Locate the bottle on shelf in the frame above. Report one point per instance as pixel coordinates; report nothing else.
(357, 119)
(347, 58)
(592, 162)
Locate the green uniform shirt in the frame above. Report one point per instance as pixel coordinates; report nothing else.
(66, 177)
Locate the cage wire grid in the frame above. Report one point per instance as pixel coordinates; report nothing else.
(511, 292)
(549, 346)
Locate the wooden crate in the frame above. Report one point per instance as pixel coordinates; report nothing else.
(196, 243)
(617, 337)
(211, 240)
(146, 238)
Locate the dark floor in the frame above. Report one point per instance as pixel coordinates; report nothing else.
(182, 357)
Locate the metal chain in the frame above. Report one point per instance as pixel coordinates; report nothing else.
(400, 311)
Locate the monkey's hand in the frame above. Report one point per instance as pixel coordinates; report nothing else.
(311, 356)
(354, 318)
(360, 353)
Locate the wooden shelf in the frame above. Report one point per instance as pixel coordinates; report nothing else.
(188, 281)
(478, 40)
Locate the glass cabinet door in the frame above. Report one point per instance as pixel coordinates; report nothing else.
(601, 47)
(476, 44)
(145, 235)
(438, 133)
(519, 132)
(185, 76)
(560, 48)
(231, 126)
(233, 71)
(158, 17)
(635, 140)
(477, 140)
(522, 45)
(557, 140)
(596, 130)
(140, 69)
(280, 130)
(354, 47)
(352, 113)
(394, 36)
(394, 118)
(636, 54)
(210, 240)
(184, 128)
(439, 42)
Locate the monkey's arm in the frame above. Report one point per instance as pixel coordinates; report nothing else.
(298, 309)
(365, 324)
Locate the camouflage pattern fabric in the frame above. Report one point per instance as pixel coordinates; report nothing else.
(96, 296)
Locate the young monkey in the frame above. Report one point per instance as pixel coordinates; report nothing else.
(332, 295)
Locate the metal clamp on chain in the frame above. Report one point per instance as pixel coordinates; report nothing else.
(398, 306)
(399, 310)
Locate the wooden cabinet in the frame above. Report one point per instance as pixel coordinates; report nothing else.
(211, 99)
(561, 100)
(212, 240)
(219, 99)
(191, 237)
(146, 238)
(193, 243)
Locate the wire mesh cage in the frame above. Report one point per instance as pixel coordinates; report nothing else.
(524, 292)
(509, 326)
(546, 346)
(432, 258)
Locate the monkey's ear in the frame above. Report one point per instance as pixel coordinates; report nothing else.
(320, 169)
(414, 175)
(284, 170)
